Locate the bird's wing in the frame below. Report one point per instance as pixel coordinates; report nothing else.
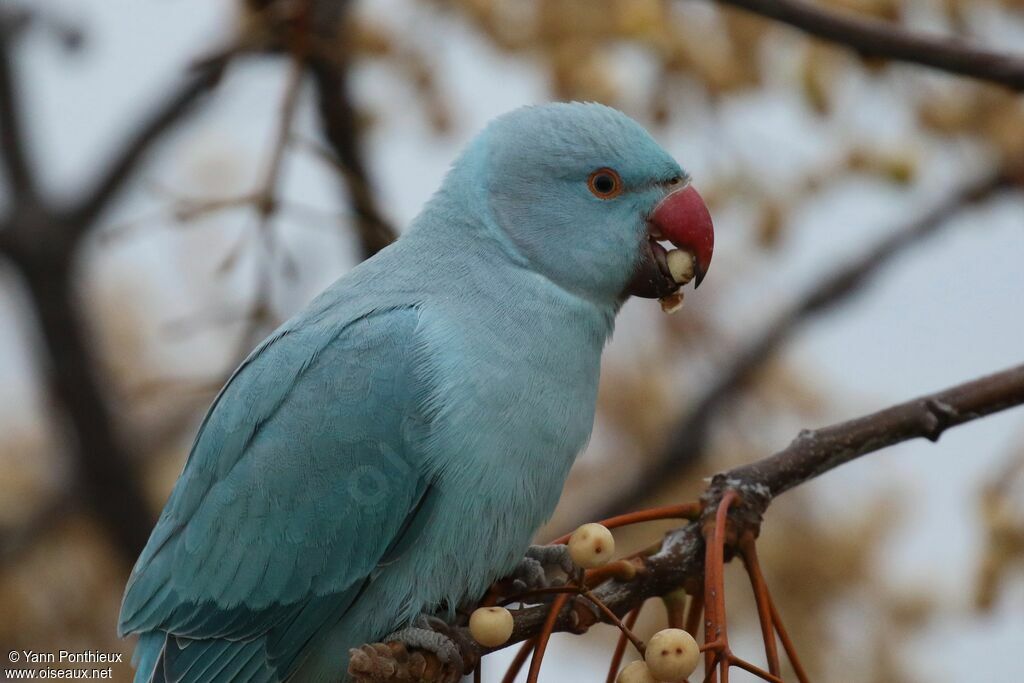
(301, 481)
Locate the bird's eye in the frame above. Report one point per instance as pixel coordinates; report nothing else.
(605, 183)
(675, 180)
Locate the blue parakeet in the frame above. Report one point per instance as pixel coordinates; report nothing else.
(392, 449)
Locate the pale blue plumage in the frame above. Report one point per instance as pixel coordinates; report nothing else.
(393, 448)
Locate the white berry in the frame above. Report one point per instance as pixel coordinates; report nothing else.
(637, 672)
(680, 264)
(491, 626)
(672, 655)
(672, 303)
(592, 545)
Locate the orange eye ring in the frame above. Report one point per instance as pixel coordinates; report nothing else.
(605, 183)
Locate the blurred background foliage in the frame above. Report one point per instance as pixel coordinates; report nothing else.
(797, 145)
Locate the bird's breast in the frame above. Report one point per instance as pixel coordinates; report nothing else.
(515, 399)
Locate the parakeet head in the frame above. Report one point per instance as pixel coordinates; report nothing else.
(584, 194)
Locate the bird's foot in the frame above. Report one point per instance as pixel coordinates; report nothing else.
(431, 634)
(392, 662)
(403, 653)
(544, 566)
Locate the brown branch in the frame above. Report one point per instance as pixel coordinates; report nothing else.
(12, 139)
(680, 561)
(762, 598)
(688, 440)
(815, 452)
(107, 475)
(875, 38)
(289, 105)
(42, 242)
(124, 162)
(620, 645)
(340, 124)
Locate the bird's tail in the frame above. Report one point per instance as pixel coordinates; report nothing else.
(160, 658)
(147, 655)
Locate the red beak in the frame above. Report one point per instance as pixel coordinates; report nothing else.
(683, 219)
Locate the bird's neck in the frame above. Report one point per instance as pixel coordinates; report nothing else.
(459, 235)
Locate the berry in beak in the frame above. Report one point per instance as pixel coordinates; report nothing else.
(682, 219)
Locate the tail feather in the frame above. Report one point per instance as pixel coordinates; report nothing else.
(221, 661)
(147, 656)
(162, 658)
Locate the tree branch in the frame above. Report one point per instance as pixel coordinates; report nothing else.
(106, 474)
(813, 453)
(42, 242)
(12, 138)
(680, 561)
(200, 80)
(689, 438)
(341, 129)
(874, 38)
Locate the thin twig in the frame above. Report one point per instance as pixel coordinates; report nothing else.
(544, 636)
(517, 662)
(689, 511)
(716, 639)
(748, 551)
(12, 138)
(696, 610)
(709, 671)
(267, 203)
(267, 193)
(875, 38)
(615, 621)
(341, 129)
(620, 645)
(787, 644)
(124, 162)
(733, 660)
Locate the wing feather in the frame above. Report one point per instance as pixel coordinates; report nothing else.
(302, 479)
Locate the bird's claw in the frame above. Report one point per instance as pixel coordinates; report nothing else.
(426, 639)
(465, 646)
(534, 570)
(453, 648)
(392, 661)
(553, 555)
